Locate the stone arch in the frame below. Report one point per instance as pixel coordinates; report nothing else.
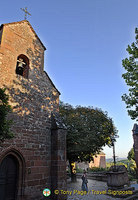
(17, 157)
(22, 66)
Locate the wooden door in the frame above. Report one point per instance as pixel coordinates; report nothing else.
(8, 178)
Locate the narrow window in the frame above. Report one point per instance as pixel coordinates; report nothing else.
(22, 66)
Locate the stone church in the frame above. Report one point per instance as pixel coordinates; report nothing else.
(35, 158)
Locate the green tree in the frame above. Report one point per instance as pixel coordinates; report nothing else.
(88, 130)
(131, 155)
(131, 78)
(5, 108)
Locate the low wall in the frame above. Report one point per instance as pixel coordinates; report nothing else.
(99, 176)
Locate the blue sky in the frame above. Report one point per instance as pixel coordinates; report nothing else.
(86, 41)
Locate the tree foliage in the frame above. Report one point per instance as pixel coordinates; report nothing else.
(5, 108)
(131, 155)
(88, 130)
(131, 78)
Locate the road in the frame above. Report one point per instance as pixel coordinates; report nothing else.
(94, 187)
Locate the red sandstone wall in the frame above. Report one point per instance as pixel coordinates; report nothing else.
(135, 137)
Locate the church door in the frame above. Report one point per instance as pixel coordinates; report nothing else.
(8, 178)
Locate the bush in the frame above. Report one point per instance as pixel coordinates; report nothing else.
(79, 170)
(122, 162)
(97, 169)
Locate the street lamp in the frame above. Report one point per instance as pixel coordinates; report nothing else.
(113, 137)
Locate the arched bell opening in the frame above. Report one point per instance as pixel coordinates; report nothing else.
(22, 66)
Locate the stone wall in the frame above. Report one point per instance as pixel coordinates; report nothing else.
(32, 100)
(58, 167)
(135, 138)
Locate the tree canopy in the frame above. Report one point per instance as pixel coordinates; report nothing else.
(131, 78)
(5, 108)
(131, 154)
(88, 130)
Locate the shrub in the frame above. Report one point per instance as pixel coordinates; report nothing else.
(97, 169)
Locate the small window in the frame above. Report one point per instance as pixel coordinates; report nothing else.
(22, 66)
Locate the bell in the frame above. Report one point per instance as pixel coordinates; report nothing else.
(20, 65)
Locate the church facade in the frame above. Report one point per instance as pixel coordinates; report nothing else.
(35, 158)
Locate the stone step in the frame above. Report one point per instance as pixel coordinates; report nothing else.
(130, 197)
(124, 195)
(133, 197)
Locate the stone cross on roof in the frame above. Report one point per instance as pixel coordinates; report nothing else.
(26, 12)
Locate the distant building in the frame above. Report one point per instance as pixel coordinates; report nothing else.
(98, 161)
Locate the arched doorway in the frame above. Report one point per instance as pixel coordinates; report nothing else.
(9, 172)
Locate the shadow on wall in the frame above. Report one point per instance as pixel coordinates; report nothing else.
(35, 98)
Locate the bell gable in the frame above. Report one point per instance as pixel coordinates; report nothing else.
(19, 38)
(22, 58)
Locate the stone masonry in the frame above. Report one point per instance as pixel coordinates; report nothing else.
(39, 145)
(135, 138)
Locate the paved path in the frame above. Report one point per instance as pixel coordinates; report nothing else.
(93, 187)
